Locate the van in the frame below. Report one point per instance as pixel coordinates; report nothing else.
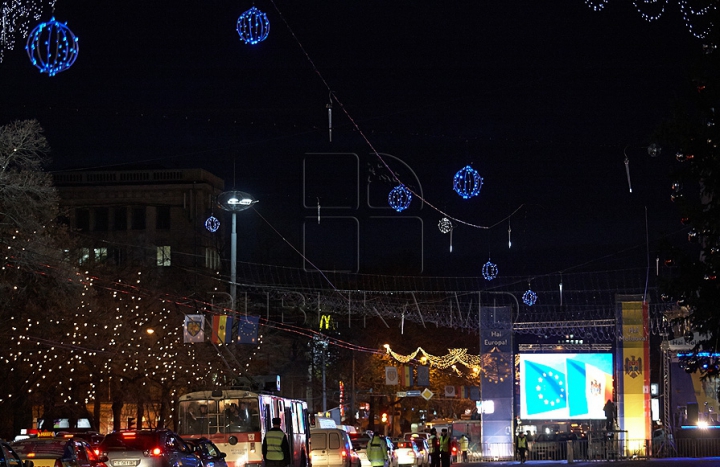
(331, 447)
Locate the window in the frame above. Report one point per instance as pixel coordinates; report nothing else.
(162, 220)
(82, 219)
(100, 254)
(138, 218)
(102, 219)
(120, 218)
(334, 440)
(84, 255)
(212, 258)
(163, 256)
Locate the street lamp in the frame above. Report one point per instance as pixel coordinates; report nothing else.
(234, 201)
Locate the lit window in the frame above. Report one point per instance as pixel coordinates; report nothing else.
(163, 256)
(100, 254)
(84, 255)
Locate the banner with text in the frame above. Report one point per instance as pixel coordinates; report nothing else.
(497, 376)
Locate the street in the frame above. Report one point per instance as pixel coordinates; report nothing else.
(669, 462)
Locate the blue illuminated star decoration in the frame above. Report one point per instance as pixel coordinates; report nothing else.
(399, 198)
(489, 271)
(52, 47)
(467, 182)
(253, 26)
(529, 297)
(212, 224)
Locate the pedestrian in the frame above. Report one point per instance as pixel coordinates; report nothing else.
(275, 446)
(377, 451)
(610, 415)
(444, 448)
(464, 443)
(521, 444)
(434, 448)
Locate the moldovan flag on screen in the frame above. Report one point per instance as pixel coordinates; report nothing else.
(248, 329)
(193, 329)
(221, 329)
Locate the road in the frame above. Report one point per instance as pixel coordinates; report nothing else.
(669, 462)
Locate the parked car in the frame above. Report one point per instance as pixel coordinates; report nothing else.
(147, 448)
(58, 452)
(408, 454)
(207, 452)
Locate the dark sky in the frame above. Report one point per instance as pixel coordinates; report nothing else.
(544, 99)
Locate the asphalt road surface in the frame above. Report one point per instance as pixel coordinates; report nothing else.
(669, 462)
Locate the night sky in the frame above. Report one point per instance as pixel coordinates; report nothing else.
(544, 99)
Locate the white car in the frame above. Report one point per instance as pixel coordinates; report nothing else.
(408, 454)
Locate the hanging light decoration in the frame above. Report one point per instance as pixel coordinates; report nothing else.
(529, 297)
(467, 182)
(253, 26)
(490, 271)
(399, 198)
(52, 47)
(212, 224)
(445, 226)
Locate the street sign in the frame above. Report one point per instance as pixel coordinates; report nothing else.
(402, 394)
(426, 394)
(414, 393)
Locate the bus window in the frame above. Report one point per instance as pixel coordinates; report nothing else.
(240, 415)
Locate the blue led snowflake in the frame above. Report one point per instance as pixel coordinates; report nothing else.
(490, 271)
(52, 47)
(529, 298)
(399, 198)
(467, 182)
(212, 224)
(253, 26)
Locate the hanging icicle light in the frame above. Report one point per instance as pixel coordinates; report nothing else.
(446, 226)
(253, 26)
(399, 198)
(467, 182)
(52, 47)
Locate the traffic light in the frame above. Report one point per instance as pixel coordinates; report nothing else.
(131, 423)
(384, 417)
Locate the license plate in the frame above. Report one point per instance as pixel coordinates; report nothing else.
(125, 463)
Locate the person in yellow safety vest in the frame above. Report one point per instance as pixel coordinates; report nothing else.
(444, 448)
(464, 442)
(275, 446)
(434, 448)
(377, 451)
(521, 443)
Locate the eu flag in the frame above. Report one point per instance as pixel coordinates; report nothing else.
(248, 329)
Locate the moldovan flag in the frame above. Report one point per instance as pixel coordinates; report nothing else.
(193, 329)
(248, 329)
(221, 329)
(405, 374)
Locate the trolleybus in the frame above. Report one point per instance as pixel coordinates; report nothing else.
(237, 420)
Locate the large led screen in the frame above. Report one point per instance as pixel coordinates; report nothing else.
(565, 386)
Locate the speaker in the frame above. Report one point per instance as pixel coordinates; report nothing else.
(692, 413)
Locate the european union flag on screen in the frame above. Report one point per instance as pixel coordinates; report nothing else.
(545, 388)
(248, 329)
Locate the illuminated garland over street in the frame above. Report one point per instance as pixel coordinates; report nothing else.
(446, 361)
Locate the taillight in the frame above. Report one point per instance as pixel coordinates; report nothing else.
(154, 452)
(454, 449)
(58, 463)
(344, 454)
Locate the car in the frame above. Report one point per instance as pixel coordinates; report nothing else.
(147, 448)
(10, 458)
(207, 452)
(408, 454)
(331, 447)
(422, 446)
(58, 452)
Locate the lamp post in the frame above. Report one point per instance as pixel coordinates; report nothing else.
(234, 202)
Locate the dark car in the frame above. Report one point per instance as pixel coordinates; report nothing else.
(147, 448)
(58, 451)
(10, 458)
(207, 452)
